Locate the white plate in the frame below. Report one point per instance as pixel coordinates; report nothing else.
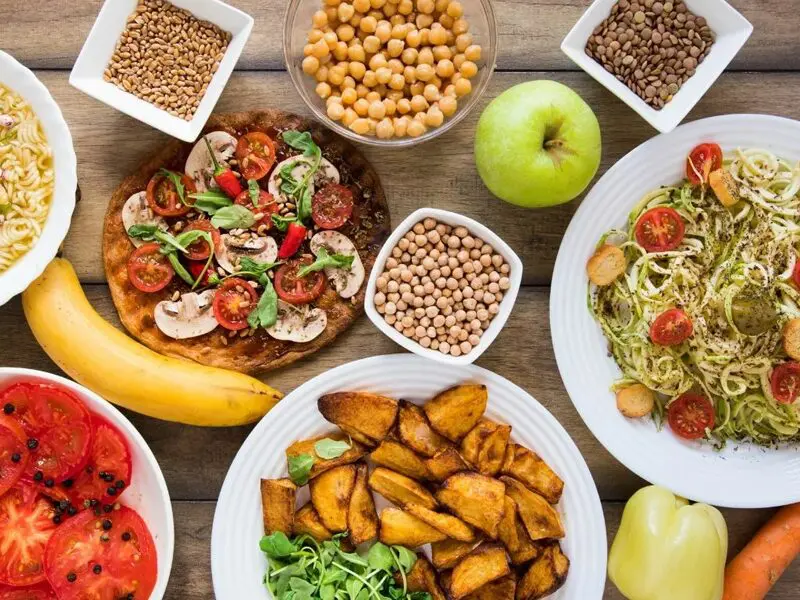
(743, 475)
(237, 564)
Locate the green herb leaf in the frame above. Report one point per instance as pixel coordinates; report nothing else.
(339, 261)
(143, 232)
(304, 204)
(380, 557)
(177, 181)
(405, 557)
(419, 596)
(266, 312)
(211, 201)
(302, 141)
(233, 217)
(329, 449)
(282, 223)
(300, 467)
(257, 268)
(301, 585)
(254, 190)
(179, 268)
(277, 545)
(328, 592)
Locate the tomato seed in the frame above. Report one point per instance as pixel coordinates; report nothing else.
(97, 569)
(126, 537)
(119, 484)
(33, 443)
(15, 458)
(8, 408)
(67, 483)
(112, 491)
(71, 577)
(107, 508)
(106, 524)
(49, 483)
(57, 519)
(38, 476)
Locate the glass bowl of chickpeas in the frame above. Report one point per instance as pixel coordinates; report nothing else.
(390, 72)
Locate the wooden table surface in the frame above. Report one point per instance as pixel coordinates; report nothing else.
(47, 37)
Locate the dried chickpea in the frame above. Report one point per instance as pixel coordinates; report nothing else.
(349, 116)
(315, 35)
(404, 106)
(336, 75)
(395, 47)
(422, 21)
(360, 126)
(418, 103)
(463, 87)
(319, 19)
(409, 56)
(448, 105)
(459, 26)
(473, 53)
(442, 53)
(331, 39)
(416, 88)
(345, 32)
(431, 93)
(349, 96)
(463, 41)
(362, 90)
(323, 90)
(425, 72)
(340, 51)
(383, 32)
(468, 69)
(385, 129)
(435, 117)
(345, 12)
(395, 65)
(445, 68)
(438, 35)
(335, 111)
(459, 60)
(399, 28)
(397, 82)
(321, 49)
(413, 39)
(368, 24)
(376, 110)
(310, 65)
(321, 74)
(383, 74)
(372, 96)
(401, 126)
(415, 128)
(410, 74)
(377, 61)
(357, 70)
(348, 83)
(446, 21)
(361, 106)
(370, 79)
(424, 57)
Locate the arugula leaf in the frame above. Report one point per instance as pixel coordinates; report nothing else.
(339, 261)
(301, 585)
(248, 265)
(233, 217)
(328, 592)
(405, 557)
(304, 204)
(302, 141)
(300, 190)
(329, 449)
(277, 545)
(266, 312)
(211, 201)
(254, 190)
(353, 587)
(380, 557)
(177, 181)
(300, 467)
(419, 596)
(143, 232)
(282, 223)
(180, 269)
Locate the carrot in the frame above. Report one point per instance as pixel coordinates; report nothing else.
(751, 574)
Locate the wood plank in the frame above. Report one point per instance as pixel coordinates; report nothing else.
(191, 571)
(530, 33)
(110, 145)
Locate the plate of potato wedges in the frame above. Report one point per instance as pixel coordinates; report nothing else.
(456, 467)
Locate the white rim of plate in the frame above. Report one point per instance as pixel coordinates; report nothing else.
(22, 80)
(741, 475)
(237, 524)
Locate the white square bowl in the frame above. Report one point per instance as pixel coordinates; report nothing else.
(731, 29)
(476, 229)
(87, 74)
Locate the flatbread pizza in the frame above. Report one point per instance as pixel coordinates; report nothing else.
(248, 249)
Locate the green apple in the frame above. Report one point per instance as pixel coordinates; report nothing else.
(537, 144)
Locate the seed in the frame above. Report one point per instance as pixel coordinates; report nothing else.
(71, 577)
(8, 408)
(49, 483)
(57, 519)
(112, 491)
(119, 484)
(106, 524)
(15, 458)
(38, 476)
(126, 536)
(32, 443)
(97, 569)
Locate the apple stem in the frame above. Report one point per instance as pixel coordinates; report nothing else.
(555, 144)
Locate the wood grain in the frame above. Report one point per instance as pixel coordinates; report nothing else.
(530, 33)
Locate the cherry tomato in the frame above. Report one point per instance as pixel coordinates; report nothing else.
(266, 205)
(785, 382)
(256, 154)
(196, 267)
(671, 328)
(200, 250)
(298, 290)
(163, 198)
(660, 229)
(332, 206)
(234, 301)
(40, 591)
(690, 415)
(13, 453)
(124, 552)
(701, 161)
(148, 269)
(58, 428)
(26, 524)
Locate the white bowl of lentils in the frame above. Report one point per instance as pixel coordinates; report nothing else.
(443, 286)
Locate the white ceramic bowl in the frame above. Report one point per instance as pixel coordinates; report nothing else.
(476, 229)
(147, 492)
(87, 74)
(20, 79)
(237, 564)
(732, 31)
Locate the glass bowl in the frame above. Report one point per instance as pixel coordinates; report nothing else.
(482, 26)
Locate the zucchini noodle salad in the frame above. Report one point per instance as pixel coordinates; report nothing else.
(700, 303)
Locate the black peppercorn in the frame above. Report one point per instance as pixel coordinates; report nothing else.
(33, 443)
(71, 577)
(8, 408)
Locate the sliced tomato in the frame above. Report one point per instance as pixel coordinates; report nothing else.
(701, 161)
(785, 382)
(234, 301)
(26, 524)
(256, 154)
(104, 557)
(690, 415)
(332, 206)
(40, 591)
(200, 249)
(266, 206)
(298, 290)
(148, 269)
(196, 268)
(670, 328)
(163, 197)
(13, 453)
(58, 428)
(660, 229)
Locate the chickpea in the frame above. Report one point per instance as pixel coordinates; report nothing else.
(399, 29)
(357, 70)
(308, 49)
(435, 118)
(425, 37)
(385, 130)
(362, 90)
(395, 47)
(438, 35)
(376, 110)
(442, 53)
(383, 32)
(323, 90)
(446, 21)
(463, 87)
(372, 44)
(410, 74)
(310, 65)
(431, 93)
(330, 39)
(377, 4)
(360, 126)
(409, 56)
(413, 39)
(335, 111)
(348, 83)
(395, 65)
(319, 19)
(473, 53)
(418, 104)
(345, 32)
(336, 75)
(424, 57)
(445, 68)
(454, 9)
(361, 6)
(390, 107)
(368, 24)
(458, 60)
(403, 106)
(424, 72)
(377, 61)
(400, 126)
(320, 49)
(422, 21)
(416, 88)
(321, 74)
(361, 106)
(370, 79)
(469, 69)
(383, 74)
(315, 35)
(463, 42)
(405, 7)
(349, 96)
(372, 96)
(340, 51)
(394, 95)
(390, 10)
(397, 82)
(415, 129)
(459, 26)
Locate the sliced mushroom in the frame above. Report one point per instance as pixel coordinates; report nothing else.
(326, 174)
(189, 317)
(346, 281)
(231, 248)
(137, 211)
(199, 165)
(298, 323)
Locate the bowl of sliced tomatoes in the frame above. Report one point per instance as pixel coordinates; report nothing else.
(84, 508)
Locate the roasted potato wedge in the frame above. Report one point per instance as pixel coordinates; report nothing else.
(452, 526)
(307, 521)
(515, 537)
(477, 499)
(473, 441)
(447, 553)
(277, 505)
(422, 578)
(540, 519)
(401, 528)
(321, 465)
(366, 417)
(525, 465)
(330, 495)
(454, 412)
(486, 563)
(362, 518)
(499, 589)
(448, 461)
(399, 489)
(400, 458)
(414, 430)
(493, 450)
(545, 575)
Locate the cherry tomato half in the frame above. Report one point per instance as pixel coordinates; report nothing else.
(200, 250)
(13, 453)
(148, 269)
(256, 154)
(671, 328)
(298, 290)
(690, 415)
(785, 382)
(163, 198)
(196, 267)
(332, 206)
(40, 591)
(234, 301)
(266, 206)
(660, 229)
(701, 161)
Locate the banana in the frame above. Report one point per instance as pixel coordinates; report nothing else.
(104, 359)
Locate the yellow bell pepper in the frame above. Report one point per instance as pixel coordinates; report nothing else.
(668, 549)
